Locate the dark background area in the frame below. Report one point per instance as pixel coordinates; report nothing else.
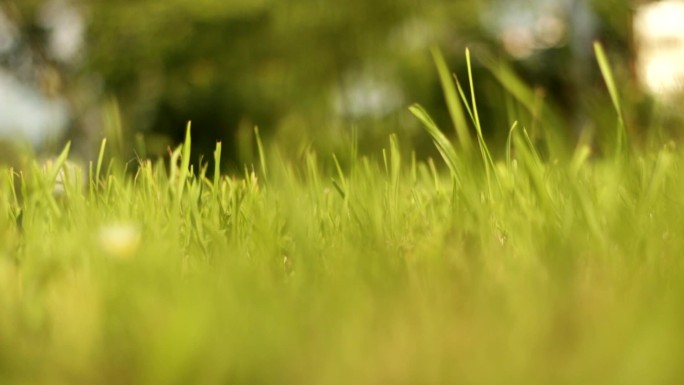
(306, 72)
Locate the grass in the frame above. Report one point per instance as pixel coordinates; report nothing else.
(527, 269)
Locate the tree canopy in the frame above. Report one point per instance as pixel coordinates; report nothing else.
(300, 70)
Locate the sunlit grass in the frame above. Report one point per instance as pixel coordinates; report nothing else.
(525, 269)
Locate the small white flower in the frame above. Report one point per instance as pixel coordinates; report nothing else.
(70, 172)
(120, 240)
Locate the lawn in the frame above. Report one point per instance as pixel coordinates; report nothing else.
(533, 267)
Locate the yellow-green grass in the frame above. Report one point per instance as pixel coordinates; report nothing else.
(525, 269)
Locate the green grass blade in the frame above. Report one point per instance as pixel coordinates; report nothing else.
(464, 98)
(444, 146)
(453, 102)
(486, 155)
(395, 159)
(217, 165)
(262, 153)
(473, 101)
(579, 159)
(532, 164)
(100, 159)
(114, 126)
(535, 113)
(56, 166)
(608, 77)
(509, 144)
(340, 174)
(184, 170)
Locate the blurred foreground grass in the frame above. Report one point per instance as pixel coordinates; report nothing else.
(521, 270)
(391, 274)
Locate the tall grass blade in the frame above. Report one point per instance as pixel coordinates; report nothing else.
(262, 154)
(473, 101)
(100, 159)
(395, 159)
(184, 170)
(114, 126)
(509, 144)
(453, 103)
(532, 103)
(486, 155)
(217, 165)
(608, 77)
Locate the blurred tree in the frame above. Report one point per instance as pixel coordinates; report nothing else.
(305, 71)
(39, 61)
(221, 64)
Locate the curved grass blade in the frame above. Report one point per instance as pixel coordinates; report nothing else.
(532, 101)
(608, 77)
(444, 146)
(486, 155)
(452, 100)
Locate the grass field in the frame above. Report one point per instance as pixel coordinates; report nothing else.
(530, 269)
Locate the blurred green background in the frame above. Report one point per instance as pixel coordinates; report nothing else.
(307, 72)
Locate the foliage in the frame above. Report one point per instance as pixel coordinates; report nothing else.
(232, 65)
(293, 68)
